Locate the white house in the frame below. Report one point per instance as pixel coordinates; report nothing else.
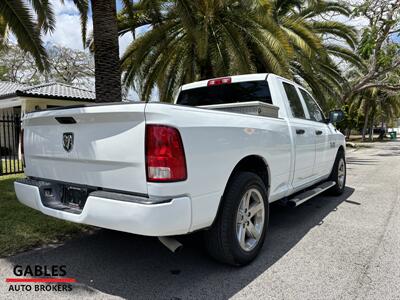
(18, 99)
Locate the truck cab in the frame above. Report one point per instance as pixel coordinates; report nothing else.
(314, 138)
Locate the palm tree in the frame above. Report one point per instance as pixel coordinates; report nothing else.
(315, 43)
(376, 101)
(195, 40)
(200, 39)
(388, 109)
(27, 23)
(365, 103)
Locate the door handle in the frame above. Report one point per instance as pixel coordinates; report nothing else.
(318, 132)
(300, 131)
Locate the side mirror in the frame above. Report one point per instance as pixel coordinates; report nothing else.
(336, 116)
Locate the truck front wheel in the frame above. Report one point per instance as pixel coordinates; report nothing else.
(338, 174)
(238, 234)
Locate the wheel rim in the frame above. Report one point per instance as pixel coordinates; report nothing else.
(250, 219)
(341, 173)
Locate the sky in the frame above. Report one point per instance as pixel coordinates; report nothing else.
(68, 30)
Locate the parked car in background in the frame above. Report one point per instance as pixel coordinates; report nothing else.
(212, 161)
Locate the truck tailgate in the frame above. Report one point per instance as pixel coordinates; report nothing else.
(98, 146)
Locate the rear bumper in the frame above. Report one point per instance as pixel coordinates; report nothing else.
(106, 211)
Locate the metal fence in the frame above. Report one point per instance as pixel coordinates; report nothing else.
(10, 128)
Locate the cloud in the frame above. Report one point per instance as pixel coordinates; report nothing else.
(67, 32)
(68, 7)
(68, 29)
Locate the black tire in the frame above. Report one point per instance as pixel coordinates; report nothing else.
(338, 188)
(221, 240)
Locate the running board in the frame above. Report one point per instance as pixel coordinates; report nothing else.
(307, 195)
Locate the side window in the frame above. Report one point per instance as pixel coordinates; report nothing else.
(315, 113)
(294, 101)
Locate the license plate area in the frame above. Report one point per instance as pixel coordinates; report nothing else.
(64, 197)
(75, 197)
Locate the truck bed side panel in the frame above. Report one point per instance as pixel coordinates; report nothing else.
(214, 143)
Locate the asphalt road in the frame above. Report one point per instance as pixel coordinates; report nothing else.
(344, 247)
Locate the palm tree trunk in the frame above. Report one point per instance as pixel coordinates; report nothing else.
(106, 51)
(348, 133)
(364, 130)
(371, 133)
(383, 131)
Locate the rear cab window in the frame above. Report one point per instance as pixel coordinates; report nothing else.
(226, 93)
(294, 101)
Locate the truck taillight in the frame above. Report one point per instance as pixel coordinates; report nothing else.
(219, 81)
(22, 147)
(165, 156)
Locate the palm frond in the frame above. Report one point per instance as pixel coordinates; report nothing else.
(323, 7)
(22, 24)
(337, 29)
(83, 8)
(192, 40)
(45, 15)
(299, 28)
(3, 33)
(345, 54)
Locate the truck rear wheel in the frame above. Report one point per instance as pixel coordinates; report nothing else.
(338, 174)
(238, 234)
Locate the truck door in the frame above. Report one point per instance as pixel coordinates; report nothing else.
(323, 155)
(303, 133)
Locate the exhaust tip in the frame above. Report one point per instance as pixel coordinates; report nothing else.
(178, 249)
(172, 244)
(291, 204)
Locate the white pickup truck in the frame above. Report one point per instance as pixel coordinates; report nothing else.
(163, 170)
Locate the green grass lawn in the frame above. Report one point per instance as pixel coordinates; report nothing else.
(22, 228)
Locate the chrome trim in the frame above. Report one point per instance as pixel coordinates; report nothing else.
(130, 198)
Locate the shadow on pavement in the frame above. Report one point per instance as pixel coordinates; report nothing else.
(361, 161)
(136, 267)
(389, 154)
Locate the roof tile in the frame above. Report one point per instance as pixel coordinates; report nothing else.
(53, 90)
(58, 90)
(9, 88)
